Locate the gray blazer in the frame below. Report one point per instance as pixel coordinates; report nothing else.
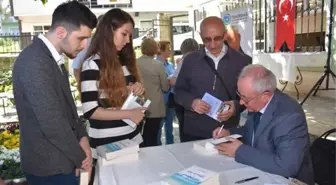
(196, 78)
(49, 126)
(155, 83)
(281, 141)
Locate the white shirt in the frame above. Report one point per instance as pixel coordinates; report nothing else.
(58, 57)
(216, 59)
(262, 111)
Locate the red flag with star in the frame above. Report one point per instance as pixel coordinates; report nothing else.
(285, 24)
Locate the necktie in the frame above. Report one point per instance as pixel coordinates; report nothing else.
(64, 72)
(256, 120)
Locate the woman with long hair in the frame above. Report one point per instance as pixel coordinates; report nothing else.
(108, 75)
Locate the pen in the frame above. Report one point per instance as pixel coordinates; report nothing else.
(220, 130)
(245, 180)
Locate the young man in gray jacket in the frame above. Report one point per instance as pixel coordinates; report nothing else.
(53, 142)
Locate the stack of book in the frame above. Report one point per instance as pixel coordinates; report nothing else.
(194, 175)
(117, 152)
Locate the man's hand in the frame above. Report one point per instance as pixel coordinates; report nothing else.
(223, 116)
(230, 148)
(223, 133)
(87, 163)
(200, 106)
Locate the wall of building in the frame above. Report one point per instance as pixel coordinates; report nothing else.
(21, 6)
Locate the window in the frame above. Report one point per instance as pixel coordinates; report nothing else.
(41, 29)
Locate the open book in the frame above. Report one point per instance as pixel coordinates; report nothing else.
(132, 102)
(217, 105)
(208, 146)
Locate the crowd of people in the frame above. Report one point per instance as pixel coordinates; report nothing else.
(55, 144)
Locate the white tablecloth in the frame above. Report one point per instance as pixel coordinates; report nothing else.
(156, 163)
(283, 65)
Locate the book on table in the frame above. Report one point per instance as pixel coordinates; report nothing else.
(121, 159)
(193, 175)
(133, 102)
(119, 149)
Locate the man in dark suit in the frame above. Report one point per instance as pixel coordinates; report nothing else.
(275, 135)
(197, 76)
(53, 142)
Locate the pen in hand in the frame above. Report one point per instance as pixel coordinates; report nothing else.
(245, 180)
(220, 130)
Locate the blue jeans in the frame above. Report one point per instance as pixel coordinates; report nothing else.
(167, 122)
(60, 179)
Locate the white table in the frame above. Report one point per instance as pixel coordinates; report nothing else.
(156, 163)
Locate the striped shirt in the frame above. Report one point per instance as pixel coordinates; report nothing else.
(101, 131)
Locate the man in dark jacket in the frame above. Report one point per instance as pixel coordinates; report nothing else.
(198, 77)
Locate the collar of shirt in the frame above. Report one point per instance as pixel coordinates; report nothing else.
(216, 59)
(57, 57)
(265, 107)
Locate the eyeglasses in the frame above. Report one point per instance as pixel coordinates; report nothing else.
(207, 40)
(245, 99)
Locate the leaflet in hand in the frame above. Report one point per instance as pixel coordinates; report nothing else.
(194, 175)
(132, 102)
(84, 177)
(217, 105)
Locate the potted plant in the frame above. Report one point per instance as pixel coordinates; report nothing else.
(10, 169)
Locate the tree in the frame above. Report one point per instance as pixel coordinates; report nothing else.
(43, 1)
(5, 10)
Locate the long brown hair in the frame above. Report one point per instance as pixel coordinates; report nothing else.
(111, 80)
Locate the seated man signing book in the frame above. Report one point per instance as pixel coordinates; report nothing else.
(275, 135)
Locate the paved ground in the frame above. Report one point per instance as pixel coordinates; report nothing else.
(320, 114)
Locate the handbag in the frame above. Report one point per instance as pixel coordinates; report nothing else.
(323, 159)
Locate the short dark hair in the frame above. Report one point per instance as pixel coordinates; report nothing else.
(149, 47)
(163, 45)
(72, 15)
(189, 45)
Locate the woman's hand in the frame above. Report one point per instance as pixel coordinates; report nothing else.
(137, 115)
(137, 89)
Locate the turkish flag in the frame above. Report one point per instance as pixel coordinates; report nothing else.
(285, 24)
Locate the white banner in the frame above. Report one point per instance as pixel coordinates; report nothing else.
(240, 20)
(107, 2)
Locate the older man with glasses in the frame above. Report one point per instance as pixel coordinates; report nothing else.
(214, 70)
(275, 135)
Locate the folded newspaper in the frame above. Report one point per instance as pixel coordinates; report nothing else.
(133, 102)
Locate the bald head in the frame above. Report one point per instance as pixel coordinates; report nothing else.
(259, 78)
(212, 33)
(212, 22)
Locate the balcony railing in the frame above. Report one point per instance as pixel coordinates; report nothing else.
(94, 4)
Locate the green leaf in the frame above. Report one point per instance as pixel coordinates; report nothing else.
(43, 1)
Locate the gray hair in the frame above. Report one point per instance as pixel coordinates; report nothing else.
(188, 46)
(262, 78)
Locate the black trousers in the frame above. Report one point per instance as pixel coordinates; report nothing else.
(179, 110)
(150, 132)
(188, 138)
